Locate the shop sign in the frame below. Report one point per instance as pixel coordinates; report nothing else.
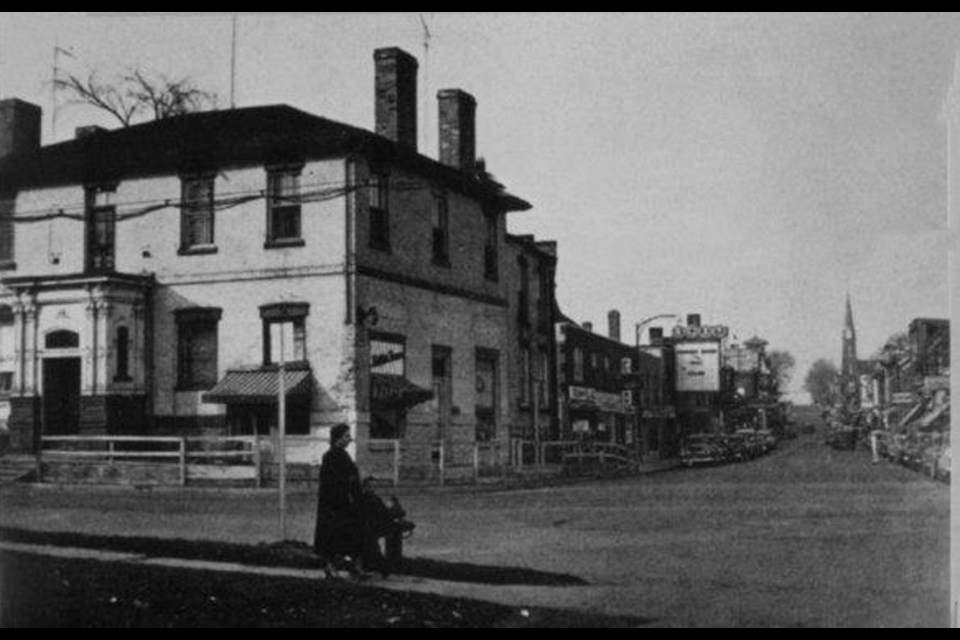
(902, 397)
(708, 332)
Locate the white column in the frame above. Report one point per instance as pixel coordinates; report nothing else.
(104, 370)
(19, 348)
(89, 375)
(138, 348)
(30, 360)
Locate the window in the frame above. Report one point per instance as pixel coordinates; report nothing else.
(441, 231)
(524, 376)
(63, 339)
(491, 267)
(388, 420)
(284, 332)
(486, 404)
(196, 348)
(626, 365)
(578, 364)
(379, 207)
(543, 379)
(523, 296)
(387, 354)
(123, 355)
(6, 231)
(196, 213)
(101, 225)
(441, 358)
(283, 208)
(6, 348)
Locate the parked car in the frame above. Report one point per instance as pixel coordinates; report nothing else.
(703, 448)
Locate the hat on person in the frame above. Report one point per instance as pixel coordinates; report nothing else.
(337, 431)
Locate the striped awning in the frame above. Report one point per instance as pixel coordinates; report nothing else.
(396, 390)
(259, 386)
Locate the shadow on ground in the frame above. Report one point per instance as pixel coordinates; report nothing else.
(290, 554)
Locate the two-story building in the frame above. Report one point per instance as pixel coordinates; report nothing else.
(596, 384)
(155, 278)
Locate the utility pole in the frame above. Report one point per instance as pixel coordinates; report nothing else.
(282, 438)
(233, 65)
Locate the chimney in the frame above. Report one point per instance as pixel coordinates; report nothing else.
(89, 130)
(656, 336)
(588, 326)
(693, 320)
(19, 127)
(458, 129)
(395, 89)
(613, 325)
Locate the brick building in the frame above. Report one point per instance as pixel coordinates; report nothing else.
(154, 277)
(596, 386)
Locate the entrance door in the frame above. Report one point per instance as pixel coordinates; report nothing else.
(61, 396)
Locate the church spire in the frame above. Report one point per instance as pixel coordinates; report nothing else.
(849, 373)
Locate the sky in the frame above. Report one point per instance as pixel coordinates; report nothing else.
(752, 168)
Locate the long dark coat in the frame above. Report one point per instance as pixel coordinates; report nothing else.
(339, 526)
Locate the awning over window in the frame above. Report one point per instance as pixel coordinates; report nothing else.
(259, 386)
(396, 390)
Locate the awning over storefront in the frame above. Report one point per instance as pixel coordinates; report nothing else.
(259, 386)
(392, 389)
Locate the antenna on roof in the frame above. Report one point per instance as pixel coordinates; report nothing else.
(233, 65)
(426, 83)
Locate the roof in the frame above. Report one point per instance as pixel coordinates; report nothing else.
(221, 139)
(259, 386)
(397, 390)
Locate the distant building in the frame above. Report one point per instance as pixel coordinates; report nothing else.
(596, 389)
(849, 371)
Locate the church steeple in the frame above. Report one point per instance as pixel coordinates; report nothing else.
(849, 374)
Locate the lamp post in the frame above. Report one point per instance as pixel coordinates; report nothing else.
(647, 321)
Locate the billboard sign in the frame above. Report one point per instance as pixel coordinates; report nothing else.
(698, 366)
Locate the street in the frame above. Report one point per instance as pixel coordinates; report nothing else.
(805, 536)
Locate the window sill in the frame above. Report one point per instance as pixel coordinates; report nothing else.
(8, 265)
(197, 250)
(284, 243)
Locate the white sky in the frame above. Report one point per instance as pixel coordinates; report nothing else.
(749, 167)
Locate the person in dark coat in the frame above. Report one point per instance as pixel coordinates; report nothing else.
(339, 533)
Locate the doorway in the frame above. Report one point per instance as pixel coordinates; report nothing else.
(61, 396)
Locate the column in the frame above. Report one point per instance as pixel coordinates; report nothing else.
(89, 374)
(138, 348)
(30, 356)
(104, 370)
(19, 348)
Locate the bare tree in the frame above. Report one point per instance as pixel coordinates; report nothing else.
(136, 95)
(781, 364)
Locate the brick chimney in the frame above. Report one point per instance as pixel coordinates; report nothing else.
(395, 94)
(656, 336)
(613, 324)
(458, 129)
(588, 326)
(19, 126)
(693, 320)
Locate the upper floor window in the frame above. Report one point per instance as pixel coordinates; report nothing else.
(491, 262)
(284, 332)
(283, 207)
(578, 364)
(6, 232)
(101, 226)
(197, 347)
(378, 197)
(441, 230)
(196, 213)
